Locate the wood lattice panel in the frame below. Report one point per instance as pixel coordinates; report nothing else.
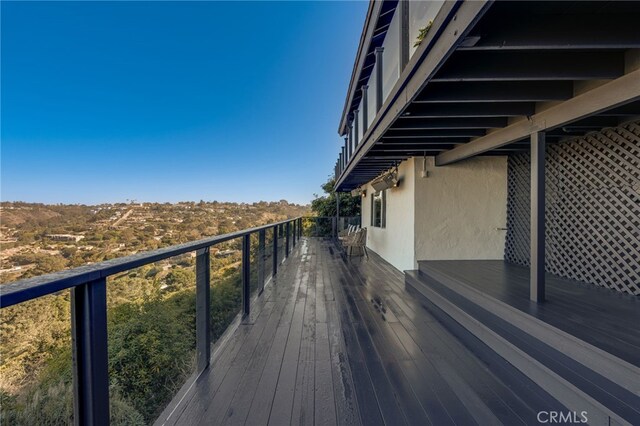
(592, 208)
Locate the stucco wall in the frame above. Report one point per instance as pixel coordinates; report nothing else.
(454, 213)
(395, 242)
(458, 209)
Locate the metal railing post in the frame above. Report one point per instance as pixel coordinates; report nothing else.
(294, 232)
(261, 258)
(334, 227)
(203, 309)
(246, 274)
(90, 358)
(275, 250)
(286, 246)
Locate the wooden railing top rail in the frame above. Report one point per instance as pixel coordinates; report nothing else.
(32, 288)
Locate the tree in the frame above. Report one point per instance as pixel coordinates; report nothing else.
(179, 279)
(326, 205)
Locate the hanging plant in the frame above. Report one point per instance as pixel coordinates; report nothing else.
(422, 34)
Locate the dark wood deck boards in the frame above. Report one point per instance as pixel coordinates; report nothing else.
(601, 317)
(340, 341)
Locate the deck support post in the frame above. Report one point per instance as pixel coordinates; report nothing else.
(287, 238)
(262, 258)
(90, 359)
(537, 271)
(275, 251)
(203, 309)
(379, 78)
(246, 274)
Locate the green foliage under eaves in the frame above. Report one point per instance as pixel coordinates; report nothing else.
(422, 33)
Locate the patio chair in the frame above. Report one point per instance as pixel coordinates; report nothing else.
(345, 233)
(357, 239)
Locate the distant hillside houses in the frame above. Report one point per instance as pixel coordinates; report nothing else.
(65, 237)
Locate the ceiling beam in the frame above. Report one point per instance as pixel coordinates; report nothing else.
(434, 133)
(615, 93)
(629, 110)
(497, 91)
(531, 65)
(392, 142)
(388, 155)
(421, 141)
(498, 109)
(561, 31)
(410, 147)
(406, 149)
(450, 123)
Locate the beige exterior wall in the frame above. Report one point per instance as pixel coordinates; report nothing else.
(454, 213)
(395, 242)
(459, 208)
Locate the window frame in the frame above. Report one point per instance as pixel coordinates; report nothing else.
(383, 209)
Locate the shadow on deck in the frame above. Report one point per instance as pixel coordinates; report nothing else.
(340, 341)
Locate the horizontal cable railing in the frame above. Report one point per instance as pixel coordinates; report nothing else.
(88, 285)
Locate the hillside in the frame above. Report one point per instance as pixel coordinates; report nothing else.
(151, 310)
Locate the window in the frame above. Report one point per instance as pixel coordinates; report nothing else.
(378, 209)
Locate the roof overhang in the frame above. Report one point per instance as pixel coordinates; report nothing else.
(378, 17)
(493, 73)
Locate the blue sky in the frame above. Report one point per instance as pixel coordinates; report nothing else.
(164, 101)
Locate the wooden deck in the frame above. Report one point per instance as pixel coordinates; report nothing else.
(599, 316)
(581, 345)
(340, 341)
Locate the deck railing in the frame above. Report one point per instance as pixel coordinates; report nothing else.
(88, 286)
(327, 226)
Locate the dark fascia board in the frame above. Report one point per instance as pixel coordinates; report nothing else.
(444, 37)
(363, 47)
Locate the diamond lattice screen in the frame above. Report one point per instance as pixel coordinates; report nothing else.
(592, 209)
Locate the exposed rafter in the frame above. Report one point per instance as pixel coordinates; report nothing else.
(532, 65)
(434, 133)
(421, 141)
(451, 123)
(562, 31)
(498, 109)
(616, 93)
(497, 91)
